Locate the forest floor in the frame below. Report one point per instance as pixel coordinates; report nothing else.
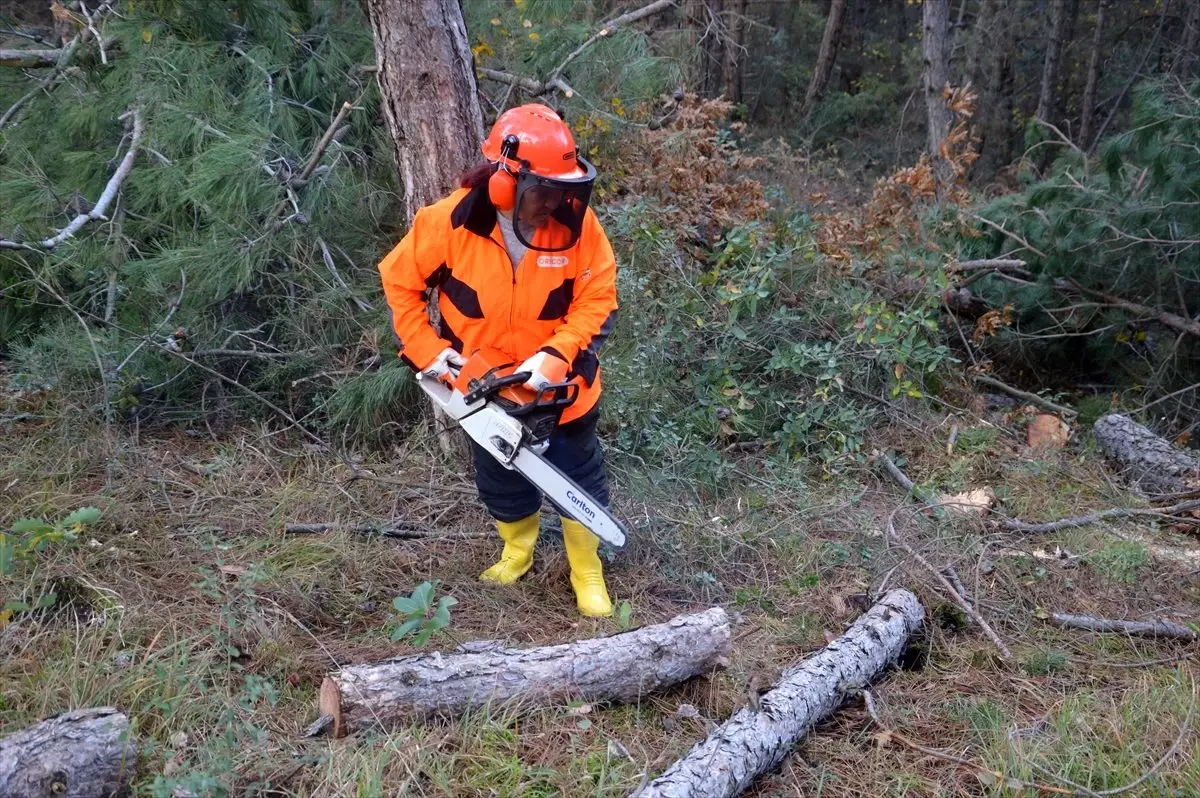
(187, 588)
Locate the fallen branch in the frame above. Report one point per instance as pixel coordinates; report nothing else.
(1150, 462)
(755, 740)
(1033, 398)
(555, 80)
(894, 536)
(110, 192)
(992, 264)
(1166, 318)
(29, 59)
(322, 145)
(392, 529)
(606, 30)
(623, 667)
(1156, 627)
(1017, 525)
(85, 753)
(530, 85)
(893, 470)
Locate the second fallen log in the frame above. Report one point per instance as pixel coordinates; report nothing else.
(753, 742)
(1150, 462)
(623, 667)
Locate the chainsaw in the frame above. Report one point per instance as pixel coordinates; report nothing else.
(513, 423)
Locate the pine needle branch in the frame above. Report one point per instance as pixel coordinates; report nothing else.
(106, 198)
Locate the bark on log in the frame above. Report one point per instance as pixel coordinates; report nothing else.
(86, 753)
(755, 741)
(623, 667)
(1150, 463)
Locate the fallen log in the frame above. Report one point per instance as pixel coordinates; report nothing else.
(85, 753)
(754, 741)
(1156, 627)
(1149, 462)
(623, 667)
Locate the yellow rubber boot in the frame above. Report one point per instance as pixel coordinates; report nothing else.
(517, 556)
(587, 575)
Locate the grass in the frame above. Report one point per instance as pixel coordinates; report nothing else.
(186, 607)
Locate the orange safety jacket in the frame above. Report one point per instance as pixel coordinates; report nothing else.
(564, 303)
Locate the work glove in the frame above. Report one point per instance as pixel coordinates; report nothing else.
(440, 367)
(544, 369)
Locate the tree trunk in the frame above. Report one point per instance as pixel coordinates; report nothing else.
(824, 68)
(86, 753)
(431, 103)
(623, 667)
(1059, 17)
(735, 63)
(430, 100)
(1149, 462)
(756, 740)
(1088, 105)
(936, 27)
(1189, 44)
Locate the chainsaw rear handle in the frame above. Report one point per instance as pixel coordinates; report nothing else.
(551, 397)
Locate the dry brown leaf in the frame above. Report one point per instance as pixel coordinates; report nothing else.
(232, 571)
(1047, 431)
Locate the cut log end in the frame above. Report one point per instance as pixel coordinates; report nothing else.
(330, 703)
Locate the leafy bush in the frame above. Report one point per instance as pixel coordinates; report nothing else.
(20, 547)
(417, 617)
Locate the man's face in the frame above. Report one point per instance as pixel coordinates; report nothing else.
(537, 203)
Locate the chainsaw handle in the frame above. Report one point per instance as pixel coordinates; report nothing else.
(562, 395)
(493, 385)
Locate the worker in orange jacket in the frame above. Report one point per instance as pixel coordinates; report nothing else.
(523, 266)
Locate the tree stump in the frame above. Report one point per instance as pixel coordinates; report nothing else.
(1149, 462)
(623, 667)
(754, 741)
(86, 753)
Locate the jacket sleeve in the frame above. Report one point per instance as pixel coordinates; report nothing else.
(593, 309)
(405, 272)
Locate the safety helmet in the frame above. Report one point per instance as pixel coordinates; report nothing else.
(539, 174)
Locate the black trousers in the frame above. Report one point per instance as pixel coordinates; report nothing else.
(574, 450)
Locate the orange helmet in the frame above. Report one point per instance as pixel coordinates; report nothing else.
(537, 160)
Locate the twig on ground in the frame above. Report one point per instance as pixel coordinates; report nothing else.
(1156, 627)
(390, 529)
(1008, 781)
(29, 59)
(894, 536)
(1017, 525)
(1029, 397)
(952, 575)
(902, 479)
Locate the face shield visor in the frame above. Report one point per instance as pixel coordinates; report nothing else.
(549, 211)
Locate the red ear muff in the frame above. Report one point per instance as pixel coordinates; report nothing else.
(502, 189)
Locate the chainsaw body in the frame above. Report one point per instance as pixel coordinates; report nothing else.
(513, 423)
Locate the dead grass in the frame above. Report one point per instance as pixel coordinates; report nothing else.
(187, 607)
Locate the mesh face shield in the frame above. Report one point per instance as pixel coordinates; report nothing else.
(549, 212)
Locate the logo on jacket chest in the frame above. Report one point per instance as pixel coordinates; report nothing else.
(552, 261)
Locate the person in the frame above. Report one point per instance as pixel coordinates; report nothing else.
(523, 266)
